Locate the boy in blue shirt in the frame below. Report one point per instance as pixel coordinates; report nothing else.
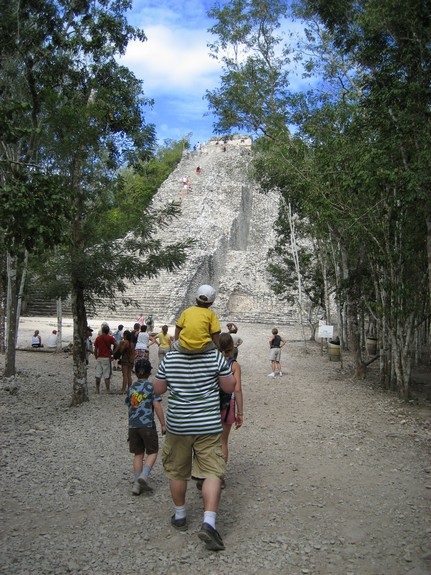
(143, 438)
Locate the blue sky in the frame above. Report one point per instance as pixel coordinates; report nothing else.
(174, 65)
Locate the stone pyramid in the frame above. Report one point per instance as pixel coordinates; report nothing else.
(232, 225)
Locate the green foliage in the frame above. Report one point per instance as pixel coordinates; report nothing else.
(71, 118)
(357, 168)
(254, 83)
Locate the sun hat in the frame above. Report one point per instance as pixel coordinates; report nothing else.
(205, 294)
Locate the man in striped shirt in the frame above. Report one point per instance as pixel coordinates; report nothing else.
(192, 446)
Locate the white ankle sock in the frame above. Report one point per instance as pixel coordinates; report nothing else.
(210, 518)
(180, 511)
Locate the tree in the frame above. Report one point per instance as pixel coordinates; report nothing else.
(354, 161)
(31, 191)
(87, 114)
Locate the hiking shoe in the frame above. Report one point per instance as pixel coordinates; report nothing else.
(136, 489)
(271, 374)
(179, 524)
(211, 536)
(142, 480)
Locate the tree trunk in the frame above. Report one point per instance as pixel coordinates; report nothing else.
(352, 316)
(59, 323)
(294, 248)
(12, 294)
(429, 255)
(80, 387)
(21, 291)
(3, 283)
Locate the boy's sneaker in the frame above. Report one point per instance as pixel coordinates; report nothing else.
(142, 480)
(280, 373)
(211, 536)
(179, 524)
(271, 374)
(136, 489)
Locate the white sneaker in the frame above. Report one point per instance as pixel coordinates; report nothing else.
(280, 373)
(136, 489)
(271, 374)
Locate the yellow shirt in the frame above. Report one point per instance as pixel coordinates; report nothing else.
(165, 340)
(197, 324)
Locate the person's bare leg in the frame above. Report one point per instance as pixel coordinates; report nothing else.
(211, 490)
(225, 439)
(125, 378)
(151, 460)
(178, 491)
(138, 462)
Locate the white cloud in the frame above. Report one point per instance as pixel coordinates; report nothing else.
(173, 60)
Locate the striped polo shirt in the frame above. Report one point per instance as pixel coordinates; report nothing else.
(194, 398)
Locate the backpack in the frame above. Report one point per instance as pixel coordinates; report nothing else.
(225, 397)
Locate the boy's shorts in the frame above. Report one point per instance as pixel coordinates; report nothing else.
(143, 440)
(178, 347)
(275, 354)
(103, 368)
(200, 456)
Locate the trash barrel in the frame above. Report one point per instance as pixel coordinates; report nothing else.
(334, 351)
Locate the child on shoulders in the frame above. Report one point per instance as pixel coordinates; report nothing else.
(197, 329)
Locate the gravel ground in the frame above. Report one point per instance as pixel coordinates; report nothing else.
(328, 475)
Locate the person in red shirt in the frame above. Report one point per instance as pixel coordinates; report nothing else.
(104, 346)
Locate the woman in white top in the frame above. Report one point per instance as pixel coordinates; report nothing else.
(36, 340)
(143, 343)
(52, 339)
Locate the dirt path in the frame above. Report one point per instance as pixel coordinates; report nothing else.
(327, 476)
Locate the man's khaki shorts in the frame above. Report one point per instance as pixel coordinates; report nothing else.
(200, 456)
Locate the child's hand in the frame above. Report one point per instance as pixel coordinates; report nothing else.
(239, 420)
(163, 429)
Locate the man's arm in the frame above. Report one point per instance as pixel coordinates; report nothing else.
(227, 383)
(160, 415)
(160, 386)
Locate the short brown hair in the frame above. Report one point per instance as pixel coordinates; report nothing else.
(225, 343)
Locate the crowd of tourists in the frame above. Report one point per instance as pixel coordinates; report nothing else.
(198, 367)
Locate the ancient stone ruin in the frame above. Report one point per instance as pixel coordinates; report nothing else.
(232, 225)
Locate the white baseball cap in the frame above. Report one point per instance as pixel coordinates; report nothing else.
(205, 294)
